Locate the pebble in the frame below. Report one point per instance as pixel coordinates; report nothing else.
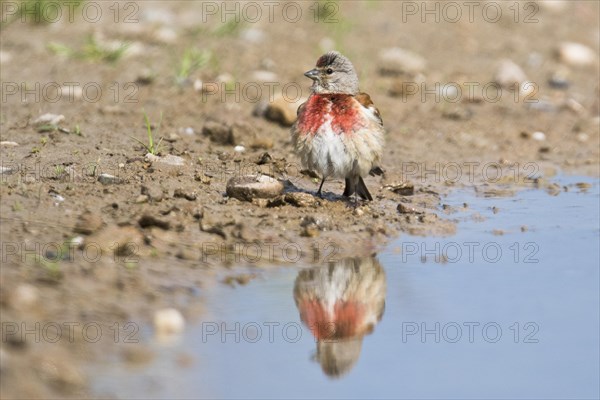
(300, 199)
(52, 119)
(326, 44)
(88, 223)
(5, 170)
(218, 132)
(582, 137)
(539, 136)
(24, 296)
(409, 209)
(182, 194)
(142, 198)
(149, 220)
(575, 54)
(198, 85)
(153, 192)
(252, 35)
(5, 57)
(166, 35)
(559, 79)
(108, 179)
(265, 76)
(248, 187)
(509, 74)
(396, 61)
(8, 144)
(169, 159)
(283, 111)
(168, 321)
(404, 188)
(239, 149)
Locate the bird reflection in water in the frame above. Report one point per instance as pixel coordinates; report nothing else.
(341, 303)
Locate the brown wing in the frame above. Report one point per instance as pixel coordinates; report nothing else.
(365, 101)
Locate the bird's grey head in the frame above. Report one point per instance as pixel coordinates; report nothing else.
(334, 73)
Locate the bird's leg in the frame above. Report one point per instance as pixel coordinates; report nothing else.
(321, 187)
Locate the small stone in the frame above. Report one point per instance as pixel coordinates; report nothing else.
(108, 179)
(283, 111)
(265, 76)
(218, 132)
(182, 194)
(148, 220)
(168, 321)
(582, 137)
(24, 296)
(509, 74)
(575, 54)
(397, 61)
(142, 198)
(559, 79)
(88, 223)
(166, 35)
(153, 192)
(247, 187)
(409, 209)
(326, 44)
(8, 144)
(239, 149)
(300, 199)
(169, 159)
(6, 170)
(403, 188)
(51, 119)
(262, 142)
(252, 35)
(539, 136)
(198, 85)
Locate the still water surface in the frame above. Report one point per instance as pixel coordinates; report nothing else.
(475, 315)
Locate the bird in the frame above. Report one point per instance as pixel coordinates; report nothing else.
(339, 132)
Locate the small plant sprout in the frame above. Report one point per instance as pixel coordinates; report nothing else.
(191, 61)
(152, 147)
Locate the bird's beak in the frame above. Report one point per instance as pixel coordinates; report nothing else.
(312, 74)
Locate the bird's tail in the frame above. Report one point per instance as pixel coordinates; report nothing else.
(359, 188)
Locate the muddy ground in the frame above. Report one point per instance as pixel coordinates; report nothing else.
(97, 234)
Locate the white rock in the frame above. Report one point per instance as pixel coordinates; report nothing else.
(582, 137)
(166, 35)
(5, 57)
(575, 54)
(52, 119)
(8, 144)
(265, 76)
(250, 187)
(326, 44)
(396, 61)
(108, 179)
(528, 89)
(168, 321)
(169, 159)
(539, 136)
(555, 6)
(198, 85)
(509, 74)
(239, 149)
(71, 93)
(25, 295)
(252, 35)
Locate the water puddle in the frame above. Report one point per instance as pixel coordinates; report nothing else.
(508, 307)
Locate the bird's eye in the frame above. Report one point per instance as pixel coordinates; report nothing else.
(329, 71)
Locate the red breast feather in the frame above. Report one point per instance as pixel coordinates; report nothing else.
(341, 109)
